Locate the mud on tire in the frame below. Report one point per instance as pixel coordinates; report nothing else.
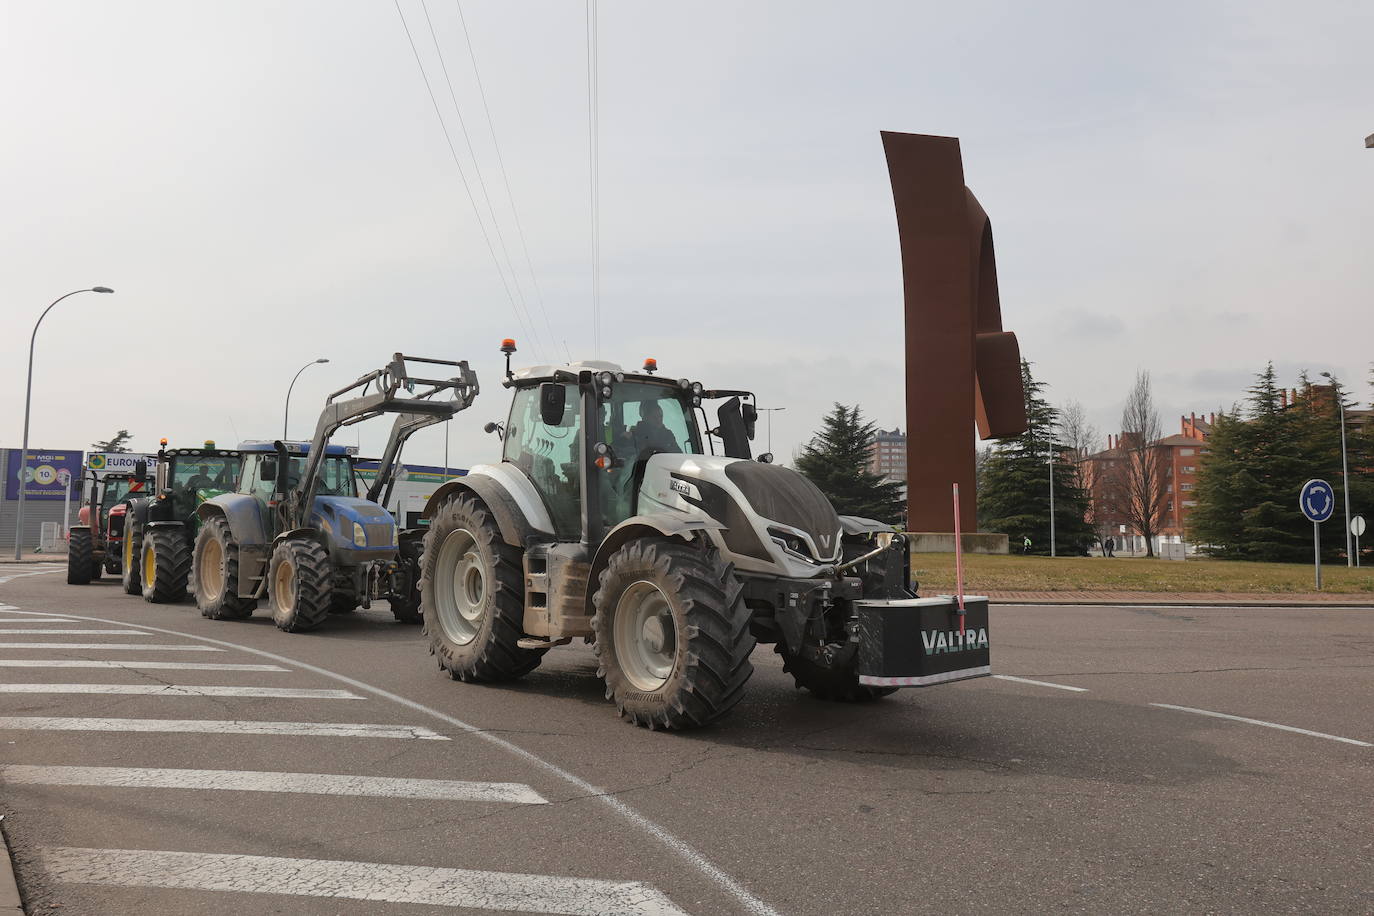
(166, 561)
(79, 562)
(300, 585)
(472, 592)
(672, 633)
(215, 571)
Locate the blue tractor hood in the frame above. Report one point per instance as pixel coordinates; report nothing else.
(336, 515)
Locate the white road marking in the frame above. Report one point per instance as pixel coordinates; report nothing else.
(1286, 728)
(51, 632)
(1026, 680)
(221, 727)
(446, 887)
(186, 690)
(37, 620)
(21, 575)
(159, 666)
(251, 781)
(104, 645)
(675, 844)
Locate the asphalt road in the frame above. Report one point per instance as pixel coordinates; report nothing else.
(995, 795)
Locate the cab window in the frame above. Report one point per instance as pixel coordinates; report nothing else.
(549, 456)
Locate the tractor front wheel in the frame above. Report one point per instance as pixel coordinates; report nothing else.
(166, 564)
(406, 606)
(473, 593)
(79, 562)
(300, 585)
(215, 570)
(129, 577)
(672, 634)
(829, 683)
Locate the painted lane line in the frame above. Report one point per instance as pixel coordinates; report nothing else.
(104, 645)
(1026, 680)
(131, 665)
(670, 841)
(50, 632)
(186, 690)
(37, 620)
(1286, 728)
(221, 727)
(253, 781)
(446, 887)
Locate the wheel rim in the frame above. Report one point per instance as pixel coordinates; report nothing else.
(212, 570)
(460, 592)
(149, 565)
(645, 636)
(281, 587)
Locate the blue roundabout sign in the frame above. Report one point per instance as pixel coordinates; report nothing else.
(1317, 500)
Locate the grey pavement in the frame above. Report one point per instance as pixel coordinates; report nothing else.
(1101, 779)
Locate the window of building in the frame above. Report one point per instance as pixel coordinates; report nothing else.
(1185, 486)
(1185, 452)
(1189, 469)
(1189, 503)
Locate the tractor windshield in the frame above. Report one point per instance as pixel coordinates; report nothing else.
(204, 472)
(336, 477)
(115, 490)
(641, 420)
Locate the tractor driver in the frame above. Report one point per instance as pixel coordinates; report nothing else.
(649, 434)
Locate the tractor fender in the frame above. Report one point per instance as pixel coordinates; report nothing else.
(243, 514)
(665, 525)
(314, 534)
(138, 513)
(518, 516)
(857, 525)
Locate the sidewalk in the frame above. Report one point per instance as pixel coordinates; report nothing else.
(1167, 599)
(10, 904)
(34, 558)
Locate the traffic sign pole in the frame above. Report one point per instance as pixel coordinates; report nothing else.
(1317, 551)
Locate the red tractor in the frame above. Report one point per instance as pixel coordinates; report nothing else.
(93, 543)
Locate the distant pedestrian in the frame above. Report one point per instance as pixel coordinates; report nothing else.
(1109, 546)
(1025, 544)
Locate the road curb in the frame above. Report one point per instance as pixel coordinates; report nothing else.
(10, 904)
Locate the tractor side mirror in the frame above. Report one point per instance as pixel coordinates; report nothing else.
(267, 471)
(733, 433)
(751, 418)
(140, 471)
(553, 403)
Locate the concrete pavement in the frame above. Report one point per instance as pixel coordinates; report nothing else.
(1093, 775)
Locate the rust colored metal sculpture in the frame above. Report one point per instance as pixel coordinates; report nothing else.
(962, 369)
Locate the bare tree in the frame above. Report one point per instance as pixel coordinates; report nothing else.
(1141, 431)
(1077, 435)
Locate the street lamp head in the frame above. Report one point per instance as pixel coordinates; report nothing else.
(101, 289)
(321, 360)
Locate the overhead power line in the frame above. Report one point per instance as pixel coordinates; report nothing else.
(467, 187)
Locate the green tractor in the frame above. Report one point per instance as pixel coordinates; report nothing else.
(161, 529)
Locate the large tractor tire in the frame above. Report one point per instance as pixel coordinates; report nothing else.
(166, 564)
(837, 683)
(130, 577)
(342, 600)
(672, 633)
(300, 585)
(406, 608)
(96, 570)
(215, 571)
(79, 562)
(472, 590)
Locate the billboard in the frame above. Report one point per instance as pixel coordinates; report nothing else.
(118, 462)
(47, 474)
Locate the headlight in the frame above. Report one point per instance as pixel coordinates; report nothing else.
(359, 535)
(605, 378)
(697, 389)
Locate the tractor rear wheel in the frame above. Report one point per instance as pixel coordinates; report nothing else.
(215, 570)
(343, 599)
(96, 570)
(672, 633)
(299, 585)
(837, 683)
(79, 560)
(472, 591)
(129, 576)
(406, 607)
(166, 564)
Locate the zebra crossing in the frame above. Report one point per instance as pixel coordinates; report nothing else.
(150, 690)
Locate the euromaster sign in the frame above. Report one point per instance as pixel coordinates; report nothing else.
(42, 473)
(118, 462)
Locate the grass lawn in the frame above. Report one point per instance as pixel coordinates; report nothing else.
(985, 572)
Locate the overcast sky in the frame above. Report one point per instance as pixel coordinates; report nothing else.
(1178, 187)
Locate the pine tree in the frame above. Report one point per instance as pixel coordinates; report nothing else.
(1014, 482)
(836, 460)
(115, 444)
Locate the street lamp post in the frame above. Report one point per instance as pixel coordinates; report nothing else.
(770, 411)
(1345, 468)
(28, 394)
(1051, 464)
(286, 414)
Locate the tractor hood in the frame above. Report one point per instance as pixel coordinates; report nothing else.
(772, 515)
(337, 515)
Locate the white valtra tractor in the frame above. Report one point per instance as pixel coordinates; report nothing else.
(616, 516)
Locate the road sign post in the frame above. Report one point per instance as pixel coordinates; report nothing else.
(1317, 501)
(1357, 529)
